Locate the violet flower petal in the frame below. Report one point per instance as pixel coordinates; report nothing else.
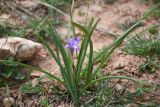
(75, 41)
(73, 45)
(66, 46)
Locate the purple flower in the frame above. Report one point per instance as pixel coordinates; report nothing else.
(73, 45)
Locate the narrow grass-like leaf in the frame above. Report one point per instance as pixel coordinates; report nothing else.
(151, 11)
(71, 86)
(91, 23)
(81, 57)
(90, 64)
(110, 77)
(63, 71)
(82, 28)
(61, 48)
(54, 56)
(93, 27)
(6, 62)
(50, 50)
(115, 44)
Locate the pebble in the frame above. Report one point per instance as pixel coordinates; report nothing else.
(8, 102)
(118, 87)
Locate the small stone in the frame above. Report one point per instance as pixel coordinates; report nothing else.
(133, 69)
(150, 81)
(124, 53)
(147, 97)
(131, 89)
(120, 52)
(118, 87)
(8, 102)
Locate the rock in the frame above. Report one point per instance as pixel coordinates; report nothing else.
(19, 48)
(8, 102)
(5, 53)
(25, 52)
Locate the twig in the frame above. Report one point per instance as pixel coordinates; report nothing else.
(58, 10)
(10, 6)
(15, 7)
(28, 12)
(99, 29)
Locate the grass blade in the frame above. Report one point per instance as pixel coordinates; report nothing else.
(115, 44)
(110, 77)
(6, 62)
(90, 64)
(69, 79)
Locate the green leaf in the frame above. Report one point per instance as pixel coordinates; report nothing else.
(153, 30)
(109, 49)
(90, 64)
(93, 27)
(67, 76)
(8, 72)
(82, 28)
(44, 102)
(28, 88)
(20, 76)
(6, 62)
(111, 77)
(151, 11)
(81, 57)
